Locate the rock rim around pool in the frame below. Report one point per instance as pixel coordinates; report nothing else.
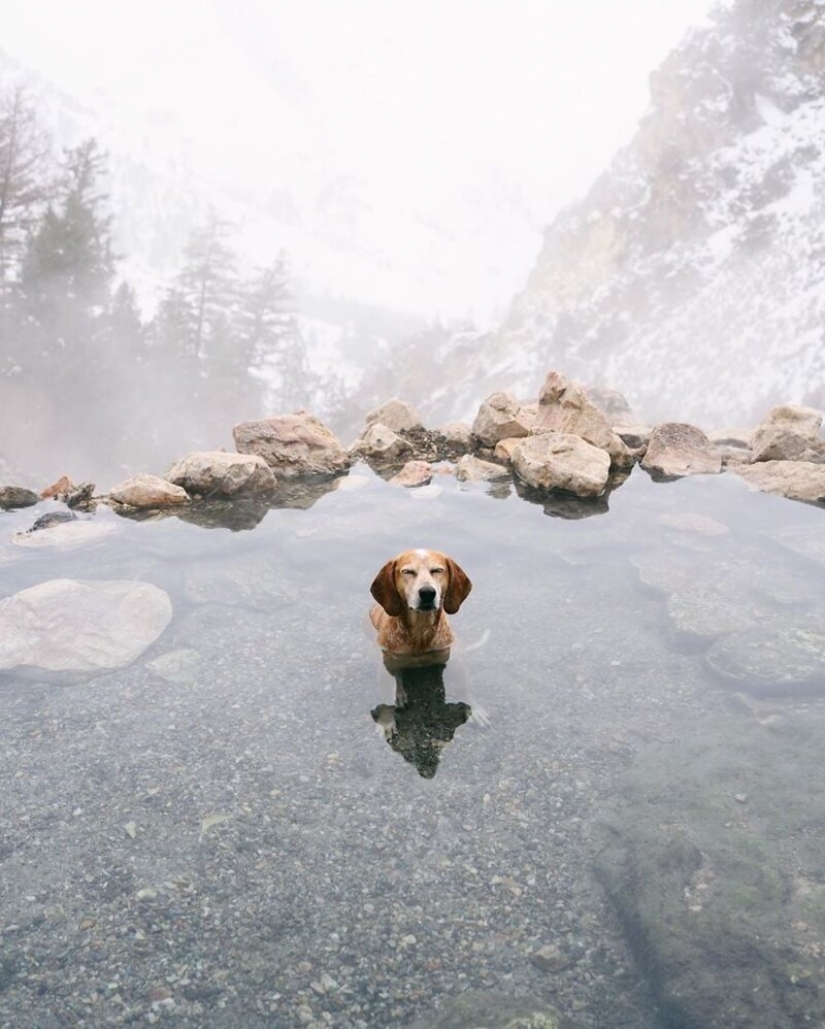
(562, 461)
(293, 445)
(147, 492)
(212, 474)
(68, 630)
(677, 449)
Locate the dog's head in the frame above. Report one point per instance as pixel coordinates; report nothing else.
(420, 580)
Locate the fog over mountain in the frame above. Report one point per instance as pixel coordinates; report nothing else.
(692, 274)
(405, 156)
(402, 165)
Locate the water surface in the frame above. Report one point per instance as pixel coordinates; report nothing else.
(220, 834)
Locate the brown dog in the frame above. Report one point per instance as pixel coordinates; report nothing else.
(415, 593)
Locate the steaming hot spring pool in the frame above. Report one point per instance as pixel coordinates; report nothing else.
(217, 835)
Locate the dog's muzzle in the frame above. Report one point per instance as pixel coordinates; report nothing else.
(426, 598)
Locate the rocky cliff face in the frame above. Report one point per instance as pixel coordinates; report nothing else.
(692, 274)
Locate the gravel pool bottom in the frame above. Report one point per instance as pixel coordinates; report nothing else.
(220, 834)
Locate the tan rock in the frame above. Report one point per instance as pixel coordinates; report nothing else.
(58, 489)
(148, 491)
(499, 417)
(797, 480)
(214, 473)
(414, 473)
(380, 445)
(565, 407)
(473, 469)
(789, 432)
(396, 414)
(293, 444)
(613, 405)
(505, 447)
(456, 432)
(676, 449)
(562, 461)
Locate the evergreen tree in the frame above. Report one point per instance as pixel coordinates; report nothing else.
(271, 338)
(24, 186)
(68, 269)
(198, 306)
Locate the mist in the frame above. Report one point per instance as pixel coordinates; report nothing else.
(450, 203)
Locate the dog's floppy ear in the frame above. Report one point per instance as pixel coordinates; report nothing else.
(458, 589)
(384, 591)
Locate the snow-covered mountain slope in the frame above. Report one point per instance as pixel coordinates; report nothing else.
(692, 275)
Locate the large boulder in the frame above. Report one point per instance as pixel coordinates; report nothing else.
(145, 491)
(565, 407)
(789, 433)
(396, 414)
(676, 449)
(797, 480)
(293, 444)
(214, 474)
(71, 629)
(561, 461)
(500, 417)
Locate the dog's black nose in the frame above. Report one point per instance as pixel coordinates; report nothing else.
(426, 596)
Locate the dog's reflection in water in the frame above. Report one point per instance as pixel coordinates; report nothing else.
(421, 722)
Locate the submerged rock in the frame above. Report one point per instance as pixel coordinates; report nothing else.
(714, 866)
(64, 531)
(784, 656)
(715, 593)
(488, 1009)
(73, 629)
